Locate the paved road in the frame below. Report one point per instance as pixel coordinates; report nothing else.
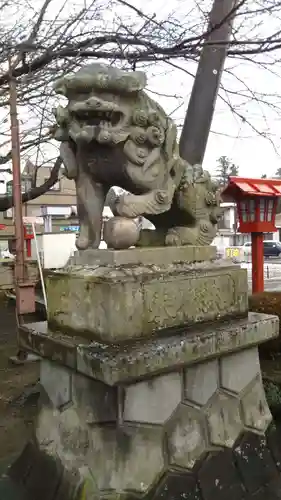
(272, 274)
(271, 285)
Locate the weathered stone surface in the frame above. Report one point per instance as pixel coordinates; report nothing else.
(201, 381)
(64, 434)
(153, 401)
(105, 455)
(143, 256)
(274, 443)
(219, 478)
(254, 462)
(22, 465)
(89, 489)
(33, 469)
(176, 485)
(239, 369)
(96, 402)
(247, 472)
(156, 355)
(186, 436)
(126, 459)
(56, 381)
(255, 410)
(118, 303)
(113, 365)
(37, 337)
(224, 420)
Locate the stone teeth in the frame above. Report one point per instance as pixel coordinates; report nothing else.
(105, 115)
(105, 124)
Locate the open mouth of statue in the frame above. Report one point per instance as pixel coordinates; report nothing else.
(102, 117)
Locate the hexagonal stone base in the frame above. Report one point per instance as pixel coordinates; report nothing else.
(148, 437)
(247, 471)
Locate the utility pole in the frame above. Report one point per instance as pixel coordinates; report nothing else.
(199, 115)
(19, 234)
(25, 290)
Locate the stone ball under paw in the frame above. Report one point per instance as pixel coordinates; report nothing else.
(121, 233)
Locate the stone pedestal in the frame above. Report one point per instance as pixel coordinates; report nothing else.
(113, 301)
(151, 384)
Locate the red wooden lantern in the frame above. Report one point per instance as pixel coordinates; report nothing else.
(256, 201)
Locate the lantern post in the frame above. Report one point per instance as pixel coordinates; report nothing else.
(256, 201)
(257, 263)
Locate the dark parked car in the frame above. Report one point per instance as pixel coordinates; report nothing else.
(271, 248)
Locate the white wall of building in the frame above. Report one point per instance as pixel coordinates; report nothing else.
(229, 214)
(222, 241)
(54, 249)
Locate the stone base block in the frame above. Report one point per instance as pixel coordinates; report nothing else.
(143, 256)
(198, 433)
(113, 303)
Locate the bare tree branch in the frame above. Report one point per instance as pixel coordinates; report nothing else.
(7, 201)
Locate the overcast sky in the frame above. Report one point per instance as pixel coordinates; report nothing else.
(253, 92)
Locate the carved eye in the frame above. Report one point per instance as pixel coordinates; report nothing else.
(103, 80)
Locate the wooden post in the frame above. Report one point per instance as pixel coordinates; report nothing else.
(19, 263)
